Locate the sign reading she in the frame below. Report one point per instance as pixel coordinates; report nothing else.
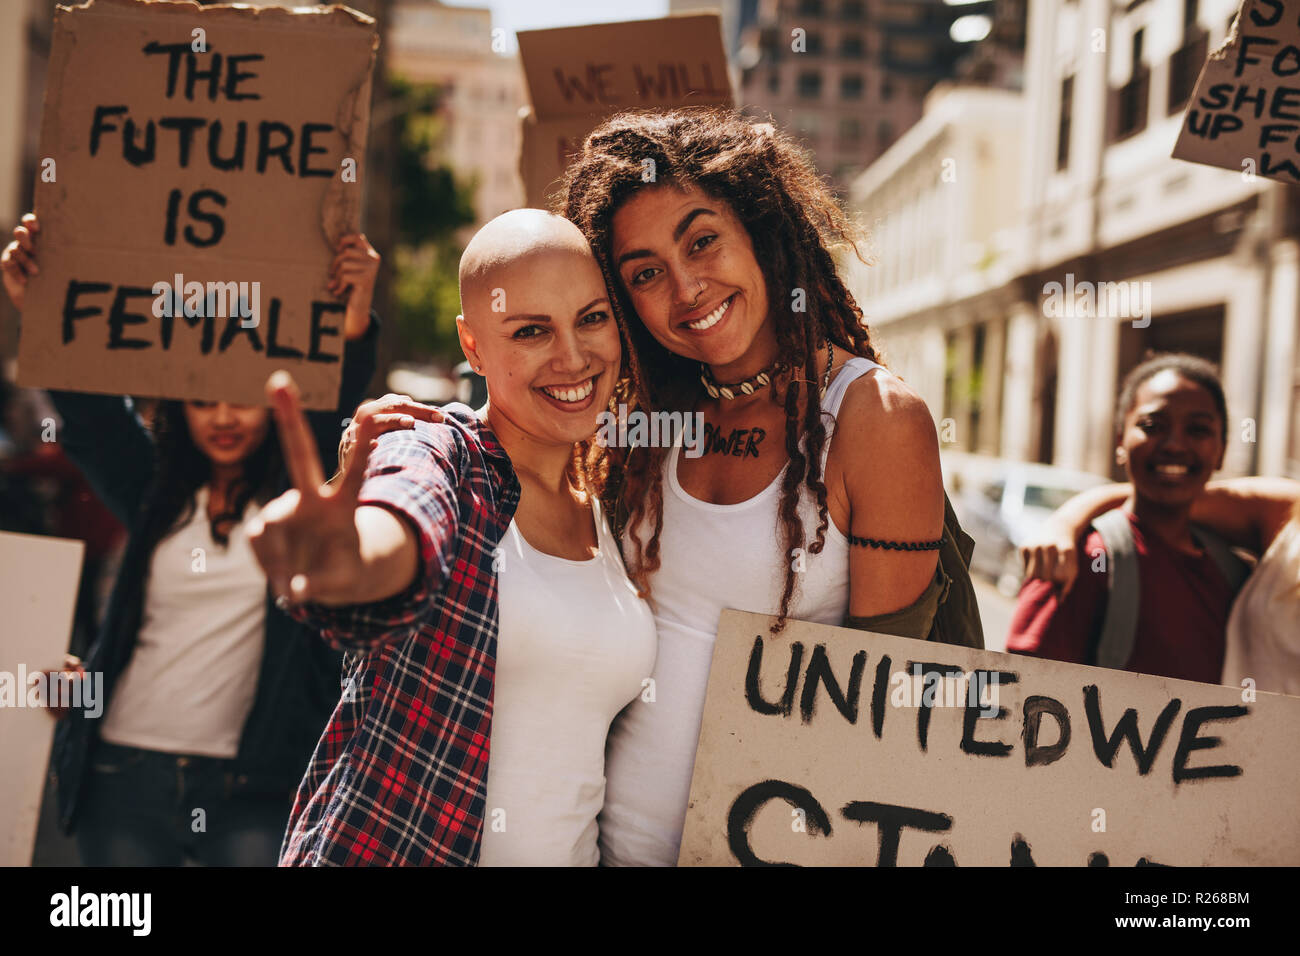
(199, 165)
(817, 749)
(1245, 112)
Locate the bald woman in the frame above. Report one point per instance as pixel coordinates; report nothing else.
(466, 567)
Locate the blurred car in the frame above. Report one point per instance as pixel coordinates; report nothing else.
(1002, 504)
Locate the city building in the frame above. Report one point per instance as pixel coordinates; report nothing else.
(847, 76)
(942, 207)
(455, 48)
(735, 15)
(1098, 248)
(1213, 252)
(998, 60)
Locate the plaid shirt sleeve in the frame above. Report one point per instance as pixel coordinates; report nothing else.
(414, 473)
(399, 776)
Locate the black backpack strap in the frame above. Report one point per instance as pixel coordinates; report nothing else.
(1234, 570)
(1119, 629)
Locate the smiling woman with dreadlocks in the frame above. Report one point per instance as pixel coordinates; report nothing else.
(715, 236)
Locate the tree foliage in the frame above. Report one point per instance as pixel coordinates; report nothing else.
(433, 204)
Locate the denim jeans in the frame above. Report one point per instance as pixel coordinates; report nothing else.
(148, 808)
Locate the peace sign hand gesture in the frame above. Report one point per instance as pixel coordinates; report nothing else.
(315, 541)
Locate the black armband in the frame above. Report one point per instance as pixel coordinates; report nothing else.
(896, 545)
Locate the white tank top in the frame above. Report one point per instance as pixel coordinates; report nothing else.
(190, 683)
(713, 557)
(574, 645)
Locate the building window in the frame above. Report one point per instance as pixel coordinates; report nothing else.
(773, 82)
(850, 131)
(1184, 67)
(810, 84)
(808, 125)
(884, 132)
(814, 43)
(1129, 102)
(886, 89)
(851, 46)
(975, 383)
(853, 11)
(851, 86)
(810, 8)
(1063, 130)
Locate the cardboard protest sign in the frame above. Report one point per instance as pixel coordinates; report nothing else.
(1245, 111)
(578, 76)
(198, 166)
(829, 746)
(38, 591)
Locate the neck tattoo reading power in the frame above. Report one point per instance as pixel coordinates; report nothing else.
(739, 442)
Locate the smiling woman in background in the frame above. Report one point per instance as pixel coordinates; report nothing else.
(214, 697)
(1171, 433)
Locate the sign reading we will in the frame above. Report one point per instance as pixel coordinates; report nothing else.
(577, 76)
(198, 166)
(829, 746)
(1245, 112)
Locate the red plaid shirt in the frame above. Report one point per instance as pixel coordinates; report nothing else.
(400, 775)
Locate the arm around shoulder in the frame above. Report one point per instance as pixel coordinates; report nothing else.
(1249, 512)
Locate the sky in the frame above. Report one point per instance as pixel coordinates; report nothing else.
(514, 15)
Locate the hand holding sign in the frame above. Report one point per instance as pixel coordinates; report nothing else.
(315, 541)
(18, 261)
(353, 273)
(72, 670)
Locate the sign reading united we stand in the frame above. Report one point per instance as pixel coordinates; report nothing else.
(817, 749)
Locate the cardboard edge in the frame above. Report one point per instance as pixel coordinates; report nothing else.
(338, 13)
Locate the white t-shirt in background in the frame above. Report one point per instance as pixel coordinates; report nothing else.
(192, 677)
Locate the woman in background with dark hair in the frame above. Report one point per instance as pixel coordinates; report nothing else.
(212, 698)
(1152, 590)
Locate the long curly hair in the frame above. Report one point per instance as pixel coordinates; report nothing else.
(180, 467)
(794, 223)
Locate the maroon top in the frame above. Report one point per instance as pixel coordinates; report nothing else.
(1182, 612)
